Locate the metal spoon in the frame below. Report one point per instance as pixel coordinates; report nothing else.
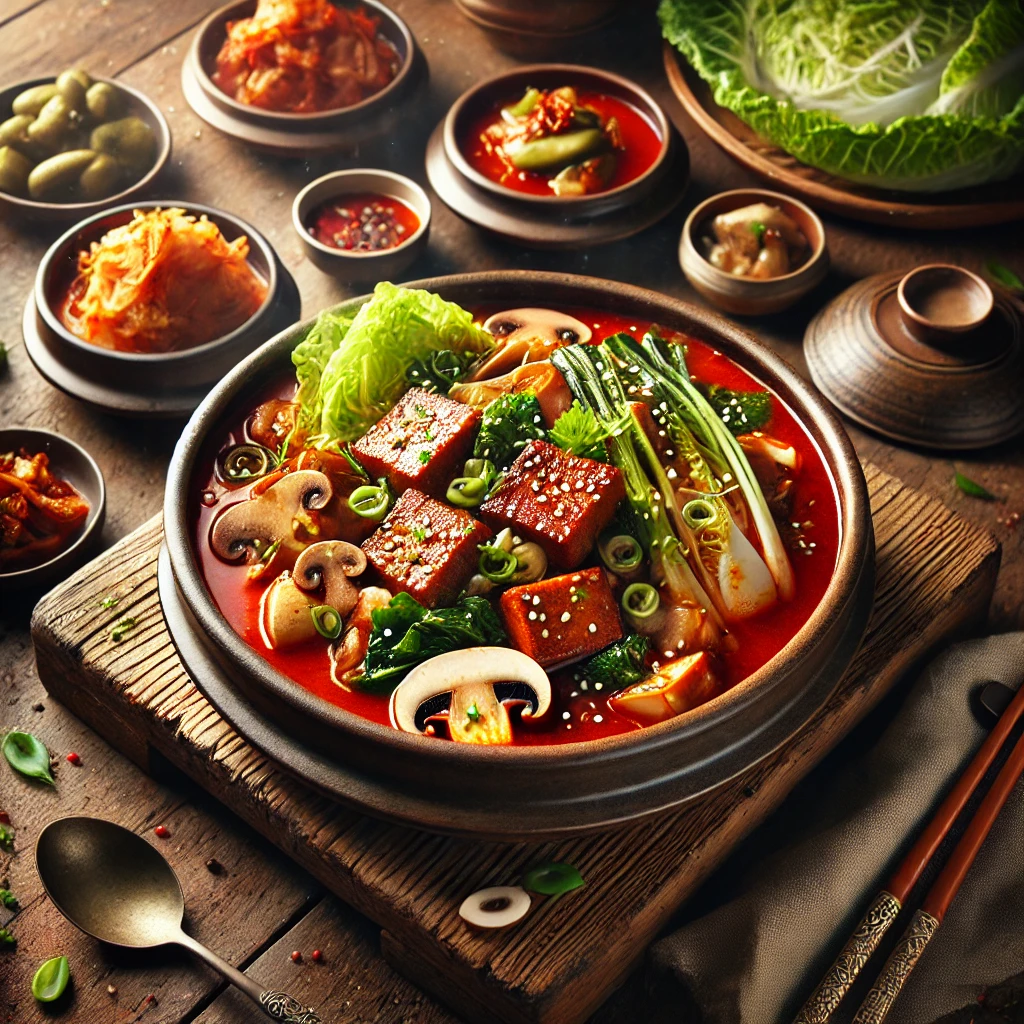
(114, 886)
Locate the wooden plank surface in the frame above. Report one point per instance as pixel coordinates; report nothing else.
(39, 35)
(935, 576)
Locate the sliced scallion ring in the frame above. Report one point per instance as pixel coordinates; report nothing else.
(621, 553)
(327, 621)
(246, 462)
(497, 564)
(699, 513)
(640, 600)
(371, 501)
(466, 491)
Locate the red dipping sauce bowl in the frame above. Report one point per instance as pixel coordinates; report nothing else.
(647, 136)
(362, 225)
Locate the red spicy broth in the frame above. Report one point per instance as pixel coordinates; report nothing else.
(363, 222)
(642, 146)
(813, 555)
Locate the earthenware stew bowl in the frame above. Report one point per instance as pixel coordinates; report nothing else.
(517, 792)
(147, 384)
(509, 86)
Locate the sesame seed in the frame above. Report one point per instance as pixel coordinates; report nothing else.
(592, 628)
(544, 633)
(598, 719)
(566, 716)
(566, 616)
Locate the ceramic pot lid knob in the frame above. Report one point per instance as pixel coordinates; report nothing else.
(941, 303)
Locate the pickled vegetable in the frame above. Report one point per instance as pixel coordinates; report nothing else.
(104, 101)
(101, 178)
(53, 125)
(130, 140)
(14, 131)
(31, 101)
(14, 171)
(58, 174)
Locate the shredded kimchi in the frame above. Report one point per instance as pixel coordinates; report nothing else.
(38, 511)
(163, 282)
(305, 56)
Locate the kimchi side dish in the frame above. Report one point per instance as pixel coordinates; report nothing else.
(164, 282)
(522, 526)
(305, 56)
(39, 512)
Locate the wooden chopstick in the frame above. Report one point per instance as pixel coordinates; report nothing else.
(926, 921)
(888, 903)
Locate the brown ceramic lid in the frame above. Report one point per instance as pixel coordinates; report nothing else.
(930, 357)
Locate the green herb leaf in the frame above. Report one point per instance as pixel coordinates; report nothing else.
(740, 411)
(51, 979)
(425, 456)
(758, 229)
(508, 423)
(974, 489)
(7, 940)
(28, 755)
(6, 838)
(1002, 274)
(552, 879)
(8, 899)
(473, 713)
(578, 432)
(125, 626)
(621, 664)
(110, 602)
(441, 370)
(3, 357)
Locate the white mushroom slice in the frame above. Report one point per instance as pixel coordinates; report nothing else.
(249, 527)
(474, 671)
(527, 336)
(497, 907)
(327, 565)
(285, 619)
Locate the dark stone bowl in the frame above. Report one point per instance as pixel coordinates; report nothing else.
(514, 793)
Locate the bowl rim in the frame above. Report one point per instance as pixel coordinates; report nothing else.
(53, 323)
(283, 119)
(849, 491)
(163, 153)
(93, 520)
(688, 246)
(640, 98)
(424, 213)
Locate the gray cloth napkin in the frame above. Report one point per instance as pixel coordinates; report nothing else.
(798, 885)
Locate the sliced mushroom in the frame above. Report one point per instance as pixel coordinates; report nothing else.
(279, 514)
(328, 566)
(553, 394)
(285, 618)
(471, 679)
(348, 653)
(527, 336)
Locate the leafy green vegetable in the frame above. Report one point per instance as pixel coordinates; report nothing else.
(8, 899)
(440, 371)
(741, 411)
(919, 95)
(51, 979)
(109, 602)
(7, 940)
(578, 431)
(1002, 274)
(353, 368)
(553, 879)
(6, 838)
(508, 423)
(28, 755)
(123, 628)
(974, 489)
(621, 664)
(405, 633)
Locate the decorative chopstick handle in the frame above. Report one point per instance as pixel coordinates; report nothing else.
(901, 962)
(855, 954)
(283, 1007)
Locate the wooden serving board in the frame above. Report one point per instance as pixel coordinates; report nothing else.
(936, 573)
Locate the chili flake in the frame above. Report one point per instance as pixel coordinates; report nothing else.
(365, 222)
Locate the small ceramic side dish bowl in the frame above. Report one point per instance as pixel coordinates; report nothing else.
(748, 296)
(283, 132)
(368, 202)
(134, 104)
(165, 384)
(461, 128)
(74, 465)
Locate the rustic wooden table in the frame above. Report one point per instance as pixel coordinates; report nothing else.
(274, 907)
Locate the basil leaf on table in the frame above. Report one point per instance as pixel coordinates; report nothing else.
(974, 489)
(1003, 275)
(51, 979)
(28, 755)
(553, 879)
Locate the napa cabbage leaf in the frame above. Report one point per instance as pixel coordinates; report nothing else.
(916, 95)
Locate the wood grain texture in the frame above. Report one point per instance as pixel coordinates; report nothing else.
(935, 576)
(985, 204)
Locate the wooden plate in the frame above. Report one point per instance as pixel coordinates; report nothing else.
(974, 207)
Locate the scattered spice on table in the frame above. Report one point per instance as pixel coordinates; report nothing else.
(109, 602)
(365, 222)
(317, 956)
(8, 899)
(296, 957)
(118, 633)
(5, 818)
(973, 489)
(75, 759)
(39, 707)
(6, 838)
(7, 940)
(214, 866)
(112, 990)
(162, 832)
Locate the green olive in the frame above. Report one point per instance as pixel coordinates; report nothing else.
(130, 140)
(31, 101)
(72, 90)
(101, 178)
(559, 150)
(81, 74)
(14, 131)
(54, 179)
(104, 101)
(51, 128)
(14, 171)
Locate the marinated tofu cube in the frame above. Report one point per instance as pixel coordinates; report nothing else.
(556, 499)
(426, 548)
(422, 443)
(562, 619)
